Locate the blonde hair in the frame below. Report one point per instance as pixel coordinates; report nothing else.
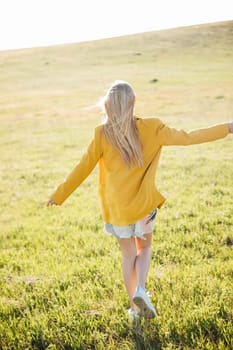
(120, 127)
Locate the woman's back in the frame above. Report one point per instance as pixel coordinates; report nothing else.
(130, 192)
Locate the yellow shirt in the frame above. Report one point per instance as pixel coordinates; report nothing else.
(128, 195)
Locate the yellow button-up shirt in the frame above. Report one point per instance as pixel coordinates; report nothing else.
(129, 194)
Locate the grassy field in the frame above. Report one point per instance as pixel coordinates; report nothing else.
(60, 275)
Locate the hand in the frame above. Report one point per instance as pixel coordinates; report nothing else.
(230, 127)
(51, 202)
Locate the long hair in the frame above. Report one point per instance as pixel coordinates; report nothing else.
(120, 126)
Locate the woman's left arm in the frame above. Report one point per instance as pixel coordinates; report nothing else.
(170, 136)
(230, 125)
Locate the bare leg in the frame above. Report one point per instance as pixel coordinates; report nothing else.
(129, 254)
(143, 258)
(141, 299)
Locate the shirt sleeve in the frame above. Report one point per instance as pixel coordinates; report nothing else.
(80, 172)
(169, 136)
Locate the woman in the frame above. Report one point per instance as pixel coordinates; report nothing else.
(128, 151)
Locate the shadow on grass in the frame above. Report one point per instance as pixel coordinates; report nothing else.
(143, 338)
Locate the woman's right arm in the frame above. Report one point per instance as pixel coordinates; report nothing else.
(51, 202)
(79, 173)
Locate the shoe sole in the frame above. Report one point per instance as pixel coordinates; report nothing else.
(144, 308)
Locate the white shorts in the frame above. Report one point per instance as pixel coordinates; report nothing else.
(137, 229)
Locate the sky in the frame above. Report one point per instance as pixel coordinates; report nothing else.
(32, 23)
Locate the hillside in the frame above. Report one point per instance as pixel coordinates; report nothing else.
(190, 64)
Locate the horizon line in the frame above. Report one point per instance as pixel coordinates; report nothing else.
(40, 46)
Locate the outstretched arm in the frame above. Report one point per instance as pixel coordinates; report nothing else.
(231, 127)
(51, 202)
(170, 136)
(79, 173)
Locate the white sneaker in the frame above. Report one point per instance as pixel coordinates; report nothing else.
(142, 300)
(134, 316)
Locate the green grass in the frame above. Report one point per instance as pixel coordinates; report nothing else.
(60, 275)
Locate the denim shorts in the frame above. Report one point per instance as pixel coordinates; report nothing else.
(137, 229)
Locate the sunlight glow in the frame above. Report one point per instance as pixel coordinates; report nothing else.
(29, 23)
